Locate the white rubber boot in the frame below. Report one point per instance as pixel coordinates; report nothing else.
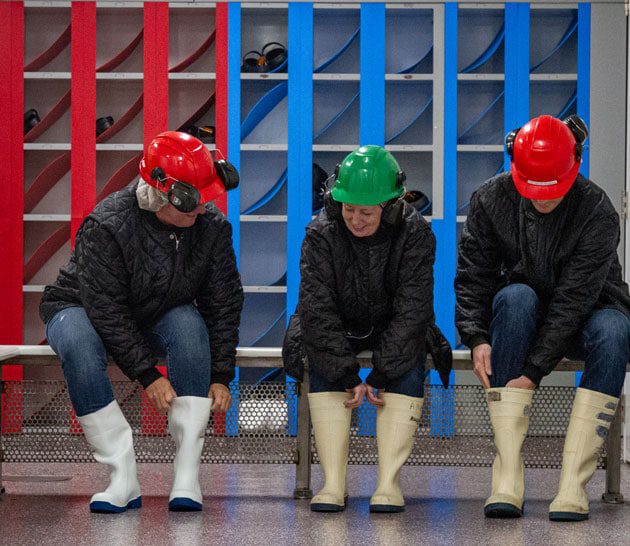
(396, 425)
(109, 434)
(331, 425)
(187, 424)
(590, 420)
(509, 413)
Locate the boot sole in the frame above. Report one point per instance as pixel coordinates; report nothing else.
(502, 510)
(326, 507)
(183, 504)
(567, 516)
(102, 507)
(386, 509)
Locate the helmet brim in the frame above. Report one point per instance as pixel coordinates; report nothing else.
(541, 191)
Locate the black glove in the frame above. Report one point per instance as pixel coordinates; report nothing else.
(440, 350)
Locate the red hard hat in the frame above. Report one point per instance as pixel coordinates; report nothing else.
(545, 161)
(182, 157)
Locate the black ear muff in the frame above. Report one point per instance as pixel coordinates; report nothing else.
(275, 57)
(580, 132)
(252, 62)
(509, 141)
(184, 197)
(102, 124)
(31, 118)
(227, 173)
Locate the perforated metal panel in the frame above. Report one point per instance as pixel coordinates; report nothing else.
(39, 426)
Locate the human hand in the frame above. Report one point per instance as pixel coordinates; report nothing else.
(522, 382)
(372, 398)
(161, 394)
(358, 393)
(481, 363)
(221, 396)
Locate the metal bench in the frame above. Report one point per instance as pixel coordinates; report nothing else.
(269, 422)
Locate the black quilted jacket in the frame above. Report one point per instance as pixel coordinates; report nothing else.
(127, 269)
(568, 257)
(350, 284)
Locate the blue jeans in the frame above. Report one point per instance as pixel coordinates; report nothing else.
(603, 343)
(409, 384)
(181, 334)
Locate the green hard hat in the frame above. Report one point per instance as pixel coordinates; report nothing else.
(368, 176)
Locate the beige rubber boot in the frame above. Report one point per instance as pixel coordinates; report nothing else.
(331, 425)
(109, 434)
(396, 425)
(509, 410)
(590, 420)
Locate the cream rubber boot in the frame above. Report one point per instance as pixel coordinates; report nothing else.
(590, 420)
(187, 424)
(509, 410)
(109, 434)
(396, 425)
(331, 425)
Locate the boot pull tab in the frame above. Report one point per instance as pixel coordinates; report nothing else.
(605, 417)
(494, 396)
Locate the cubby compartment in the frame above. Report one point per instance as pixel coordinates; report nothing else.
(190, 103)
(553, 41)
(260, 27)
(115, 170)
(46, 249)
(481, 41)
(408, 41)
(263, 253)
(557, 99)
(47, 182)
(263, 320)
(418, 166)
(335, 112)
(191, 40)
(336, 41)
(264, 112)
(480, 112)
(408, 112)
(473, 169)
(263, 183)
(51, 99)
(124, 53)
(47, 40)
(33, 327)
(122, 100)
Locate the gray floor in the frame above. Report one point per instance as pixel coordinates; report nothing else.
(252, 504)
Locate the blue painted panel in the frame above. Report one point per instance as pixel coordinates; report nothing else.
(372, 74)
(584, 74)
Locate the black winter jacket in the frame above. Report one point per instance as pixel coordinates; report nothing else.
(568, 257)
(127, 269)
(382, 283)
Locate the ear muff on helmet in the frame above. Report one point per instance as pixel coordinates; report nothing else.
(183, 196)
(275, 57)
(580, 132)
(227, 173)
(509, 141)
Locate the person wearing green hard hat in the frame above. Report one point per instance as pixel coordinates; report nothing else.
(366, 284)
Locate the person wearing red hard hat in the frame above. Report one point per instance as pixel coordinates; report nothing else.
(539, 278)
(152, 273)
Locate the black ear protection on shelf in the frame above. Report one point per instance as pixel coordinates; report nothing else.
(272, 56)
(392, 210)
(102, 124)
(205, 133)
(574, 122)
(31, 118)
(183, 196)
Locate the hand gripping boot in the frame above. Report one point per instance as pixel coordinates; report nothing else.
(109, 434)
(509, 410)
(331, 425)
(187, 424)
(590, 420)
(396, 425)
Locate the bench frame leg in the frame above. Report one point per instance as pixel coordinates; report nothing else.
(303, 464)
(613, 494)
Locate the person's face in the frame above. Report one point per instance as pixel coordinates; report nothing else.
(168, 214)
(361, 221)
(545, 207)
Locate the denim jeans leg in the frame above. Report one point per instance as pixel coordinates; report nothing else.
(319, 384)
(515, 311)
(182, 335)
(410, 383)
(83, 359)
(605, 348)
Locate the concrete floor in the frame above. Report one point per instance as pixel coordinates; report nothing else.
(252, 504)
